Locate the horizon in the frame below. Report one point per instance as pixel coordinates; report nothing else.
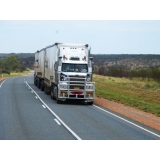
(92, 54)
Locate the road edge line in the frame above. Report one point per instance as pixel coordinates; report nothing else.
(72, 132)
(127, 121)
(2, 83)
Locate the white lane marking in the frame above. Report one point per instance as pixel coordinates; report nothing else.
(72, 132)
(36, 97)
(2, 83)
(43, 106)
(128, 121)
(57, 121)
(32, 91)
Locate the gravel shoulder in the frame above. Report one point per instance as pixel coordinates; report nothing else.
(133, 113)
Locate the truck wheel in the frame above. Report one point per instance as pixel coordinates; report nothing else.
(89, 103)
(35, 80)
(45, 90)
(52, 95)
(42, 86)
(58, 101)
(39, 84)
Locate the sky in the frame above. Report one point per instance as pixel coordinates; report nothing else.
(103, 36)
(108, 28)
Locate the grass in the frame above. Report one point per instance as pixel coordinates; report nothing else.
(138, 93)
(14, 74)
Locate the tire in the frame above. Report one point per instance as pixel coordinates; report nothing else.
(35, 81)
(45, 89)
(42, 86)
(58, 101)
(38, 84)
(52, 95)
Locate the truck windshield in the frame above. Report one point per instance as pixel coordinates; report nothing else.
(67, 67)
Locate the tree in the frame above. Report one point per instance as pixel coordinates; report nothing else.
(12, 64)
(156, 74)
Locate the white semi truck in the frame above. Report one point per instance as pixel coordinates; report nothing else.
(65, 72)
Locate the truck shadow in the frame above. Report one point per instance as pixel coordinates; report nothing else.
(74, 102)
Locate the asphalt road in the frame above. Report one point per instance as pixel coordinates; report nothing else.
(26, 113)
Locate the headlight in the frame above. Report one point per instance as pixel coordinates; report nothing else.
(63, 87)
(89, 87)
(88, 79)
(63, 78)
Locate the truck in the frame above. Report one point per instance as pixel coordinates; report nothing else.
(64, 71)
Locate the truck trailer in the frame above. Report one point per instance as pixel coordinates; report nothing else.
(65, 72)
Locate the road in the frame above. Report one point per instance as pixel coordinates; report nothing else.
(26, 113)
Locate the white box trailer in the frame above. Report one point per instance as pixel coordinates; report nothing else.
(41, 62)
(50, 58)
(39, 68)
(36, 63)
(67, 72)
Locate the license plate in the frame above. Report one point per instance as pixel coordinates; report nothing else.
(77, 88)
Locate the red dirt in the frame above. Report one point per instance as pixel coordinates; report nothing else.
(1, 79)
(133, 113)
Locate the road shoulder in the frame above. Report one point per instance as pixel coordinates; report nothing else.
(133, 113)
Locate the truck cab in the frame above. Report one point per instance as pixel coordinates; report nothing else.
(75, 74)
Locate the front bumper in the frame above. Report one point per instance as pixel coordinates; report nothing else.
(84, 91)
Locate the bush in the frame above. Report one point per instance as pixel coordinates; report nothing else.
(122, 72)
(6, 71)
(156, 75)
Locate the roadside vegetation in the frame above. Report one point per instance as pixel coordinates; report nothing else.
(24, 73)
(12, 67)
(140, 93)
(120, 72)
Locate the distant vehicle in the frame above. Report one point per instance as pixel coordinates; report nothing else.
(65, 72)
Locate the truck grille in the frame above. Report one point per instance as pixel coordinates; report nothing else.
(75, 81)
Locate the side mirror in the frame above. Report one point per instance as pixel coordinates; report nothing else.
(60, 61)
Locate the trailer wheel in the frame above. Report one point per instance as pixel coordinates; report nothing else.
(45, 89)
(42, 86)
(35, 81)
(38, 83)
(52, 95)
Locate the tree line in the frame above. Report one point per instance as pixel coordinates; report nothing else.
(122, 72)
(11, 64)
